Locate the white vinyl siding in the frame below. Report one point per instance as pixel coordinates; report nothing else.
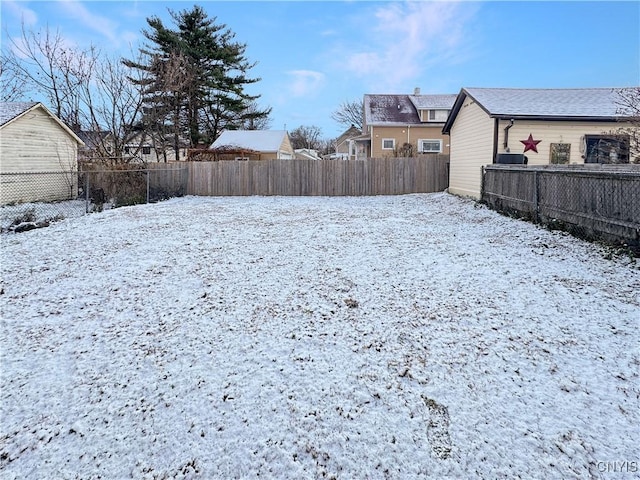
(36, 142)
(471, 147)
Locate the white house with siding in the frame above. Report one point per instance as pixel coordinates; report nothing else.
(547, 126)
(35, 142)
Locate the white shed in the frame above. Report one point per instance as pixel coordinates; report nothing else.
(38, 155)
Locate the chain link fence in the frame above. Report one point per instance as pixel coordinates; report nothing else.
(35, 199)
(595, 202)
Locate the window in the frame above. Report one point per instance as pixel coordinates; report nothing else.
(436, 115)
(241, 158)
(606, 149)
(430, 146)
(560, 153)
(388, 143)
(127, 150)
(146, 150)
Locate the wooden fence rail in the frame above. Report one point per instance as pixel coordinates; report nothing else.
(374, 176)
(599, 202)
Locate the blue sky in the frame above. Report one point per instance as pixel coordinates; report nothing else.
(314, 55)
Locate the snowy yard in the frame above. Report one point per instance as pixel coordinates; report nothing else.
(388, 337)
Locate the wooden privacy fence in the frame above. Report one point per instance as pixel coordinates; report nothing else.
(373, 176)
(598, 202)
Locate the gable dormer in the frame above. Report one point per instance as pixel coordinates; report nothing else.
(434, 115)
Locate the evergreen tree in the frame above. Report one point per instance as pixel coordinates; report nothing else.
(195, 76)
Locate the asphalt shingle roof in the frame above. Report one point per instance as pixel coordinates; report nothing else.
(10, 110)
(433, 102)
(389, 110)
(578, 102)
(402, 109)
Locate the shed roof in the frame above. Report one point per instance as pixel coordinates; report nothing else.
(257, 140)
(11, 110)
(542, 104)
(574, 102)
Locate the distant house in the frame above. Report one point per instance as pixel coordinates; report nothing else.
(139, 148)
(98, 145)
(404, 125)
(306, 154)
(36, 142)
(253, 145)
(346, 146)
(154, 148)
(537, 126)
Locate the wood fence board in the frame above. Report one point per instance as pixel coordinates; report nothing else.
(600, 201)
(377, 176)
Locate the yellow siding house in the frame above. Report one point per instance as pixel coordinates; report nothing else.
(531, 126)
(405, 125)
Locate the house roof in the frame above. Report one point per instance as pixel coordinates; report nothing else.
(393, 110)
(93, 138)
(541, 104)
(306, 153)
(389, 110)
(257, 140)
(433, 102)
(10, 111)
(348, 134)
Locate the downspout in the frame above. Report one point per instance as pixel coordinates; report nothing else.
(495, 139)
(506, 136)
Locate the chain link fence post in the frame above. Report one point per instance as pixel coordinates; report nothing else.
(86, 192)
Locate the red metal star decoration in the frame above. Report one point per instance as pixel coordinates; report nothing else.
(530, 144)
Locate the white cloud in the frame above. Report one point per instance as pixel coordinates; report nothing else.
(98, 23)
(305, 82)
(19, 11)
(405, 38)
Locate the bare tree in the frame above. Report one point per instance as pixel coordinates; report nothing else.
(628, 103)
(306, 137)
(111, 107)
(48, 66)
(326, 146)
(11, 81)
(406, 150)
(255, 118)
(349, 113)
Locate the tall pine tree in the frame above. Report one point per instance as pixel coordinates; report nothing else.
(194, 78)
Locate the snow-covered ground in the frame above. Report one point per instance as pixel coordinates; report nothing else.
(40, 212)
(369, 337)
